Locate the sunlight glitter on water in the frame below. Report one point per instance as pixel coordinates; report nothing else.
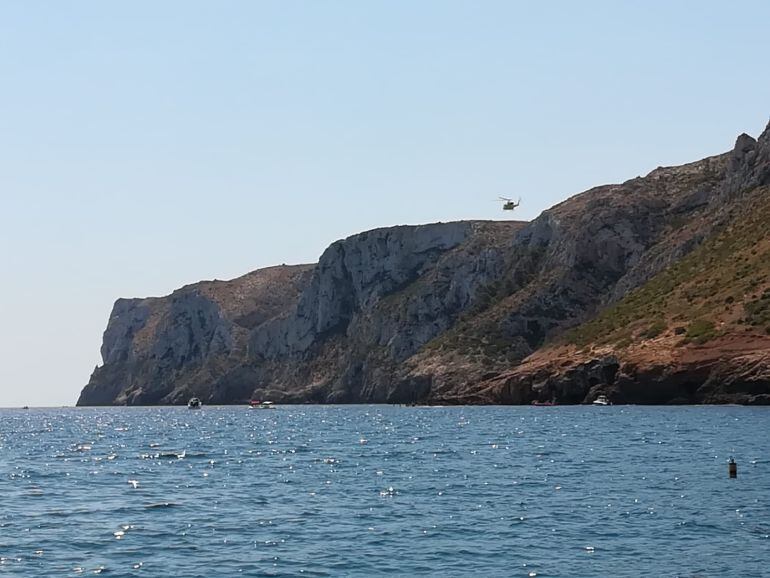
(433, 491)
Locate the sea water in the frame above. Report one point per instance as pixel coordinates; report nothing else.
(381, 490)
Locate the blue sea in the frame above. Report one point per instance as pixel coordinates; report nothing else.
(382, 490)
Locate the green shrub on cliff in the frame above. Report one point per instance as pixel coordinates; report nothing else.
(700, 331)
(658, 326)
(758, 310)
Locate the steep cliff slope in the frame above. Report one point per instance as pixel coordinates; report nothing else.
(161, 350)
(458, 312)
(325, 332)
(697, 332)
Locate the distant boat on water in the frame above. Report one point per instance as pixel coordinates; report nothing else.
(256, 404)
(194, 403)
(601, 400)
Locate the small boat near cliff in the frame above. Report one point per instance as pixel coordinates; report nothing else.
(256, 404)
(601, 400)
(194, 403)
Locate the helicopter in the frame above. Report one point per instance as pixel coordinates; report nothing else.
(508, 204)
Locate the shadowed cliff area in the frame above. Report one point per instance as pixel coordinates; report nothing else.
(651, 291)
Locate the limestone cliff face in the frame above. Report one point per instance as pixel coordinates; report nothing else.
(448, 312)
(374, 300)
(162, 350)
(352, 276)
(335, 334)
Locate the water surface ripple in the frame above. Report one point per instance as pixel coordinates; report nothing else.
(376, 490)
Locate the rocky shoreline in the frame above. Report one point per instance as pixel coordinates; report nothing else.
(725, 372)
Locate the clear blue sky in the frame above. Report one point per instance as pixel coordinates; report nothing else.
(145, 145)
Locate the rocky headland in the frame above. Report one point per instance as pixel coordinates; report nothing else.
(656, 290)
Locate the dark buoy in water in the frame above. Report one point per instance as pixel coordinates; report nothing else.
(732, 468)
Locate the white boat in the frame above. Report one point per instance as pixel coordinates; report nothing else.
(194, 403)
(254, 404)
(601, 400)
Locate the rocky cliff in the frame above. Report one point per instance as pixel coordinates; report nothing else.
(163, 350)
(485, 312)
